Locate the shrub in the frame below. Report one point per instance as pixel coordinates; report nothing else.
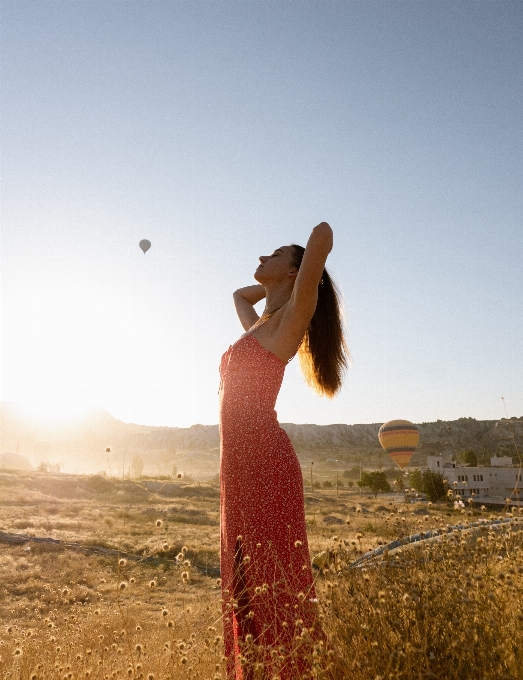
(469, 456)
(428, 482)
(376, 481)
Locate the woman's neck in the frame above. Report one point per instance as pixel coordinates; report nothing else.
(275, 299)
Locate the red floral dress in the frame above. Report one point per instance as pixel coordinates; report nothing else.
(267, 583)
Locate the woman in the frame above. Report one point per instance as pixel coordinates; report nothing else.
(267, 583)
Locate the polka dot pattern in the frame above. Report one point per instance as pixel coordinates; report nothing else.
(262, 507)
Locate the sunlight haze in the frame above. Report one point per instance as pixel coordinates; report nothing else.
(223, 130)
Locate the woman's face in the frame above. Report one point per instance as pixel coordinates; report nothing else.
(276, 267)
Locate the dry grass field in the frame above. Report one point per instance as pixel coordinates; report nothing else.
(449, 609)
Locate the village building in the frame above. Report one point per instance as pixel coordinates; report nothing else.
(492, 484)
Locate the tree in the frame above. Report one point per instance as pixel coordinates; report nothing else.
(376, 481)
(416, 480)
(433, 485)
(429, 483)
(327, 484)
(137, 466)
(469, 456)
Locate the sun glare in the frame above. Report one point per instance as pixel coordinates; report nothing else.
(51, 409)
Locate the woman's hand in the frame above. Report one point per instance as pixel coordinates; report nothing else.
(305, 291)
(244, 301)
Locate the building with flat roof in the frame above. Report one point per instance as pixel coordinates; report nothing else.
(485, 484)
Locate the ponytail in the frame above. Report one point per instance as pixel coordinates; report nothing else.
(323, 354)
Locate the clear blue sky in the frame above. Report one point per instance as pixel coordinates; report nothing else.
(222, 130)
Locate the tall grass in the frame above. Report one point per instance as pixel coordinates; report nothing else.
(444, 609)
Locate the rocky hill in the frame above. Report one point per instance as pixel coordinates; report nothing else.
(84, 440)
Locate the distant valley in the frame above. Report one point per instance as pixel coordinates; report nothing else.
(80, 445)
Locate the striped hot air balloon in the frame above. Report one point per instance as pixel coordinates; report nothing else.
(399, 438)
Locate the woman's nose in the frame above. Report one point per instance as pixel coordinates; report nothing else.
(263, 258)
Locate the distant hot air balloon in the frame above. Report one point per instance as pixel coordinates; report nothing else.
(144, 245)
(399, 438)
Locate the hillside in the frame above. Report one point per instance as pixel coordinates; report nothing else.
(80, 444)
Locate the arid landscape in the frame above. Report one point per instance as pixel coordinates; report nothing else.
(95, 441)
(443, 609)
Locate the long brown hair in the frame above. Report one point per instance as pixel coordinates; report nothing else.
(323, 354)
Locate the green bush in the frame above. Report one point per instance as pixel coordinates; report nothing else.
(376, 481)
(428, 482)
(469, 456)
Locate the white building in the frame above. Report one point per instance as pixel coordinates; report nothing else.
(489, 484)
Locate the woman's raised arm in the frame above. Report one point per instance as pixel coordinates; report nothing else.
(305, 292)
(244, 301)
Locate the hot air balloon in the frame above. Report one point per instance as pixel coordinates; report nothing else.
(399, 438)
(144, 245)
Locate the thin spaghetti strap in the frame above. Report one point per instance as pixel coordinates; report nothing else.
(258, 325)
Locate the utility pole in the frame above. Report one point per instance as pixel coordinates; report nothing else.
(312, 488)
